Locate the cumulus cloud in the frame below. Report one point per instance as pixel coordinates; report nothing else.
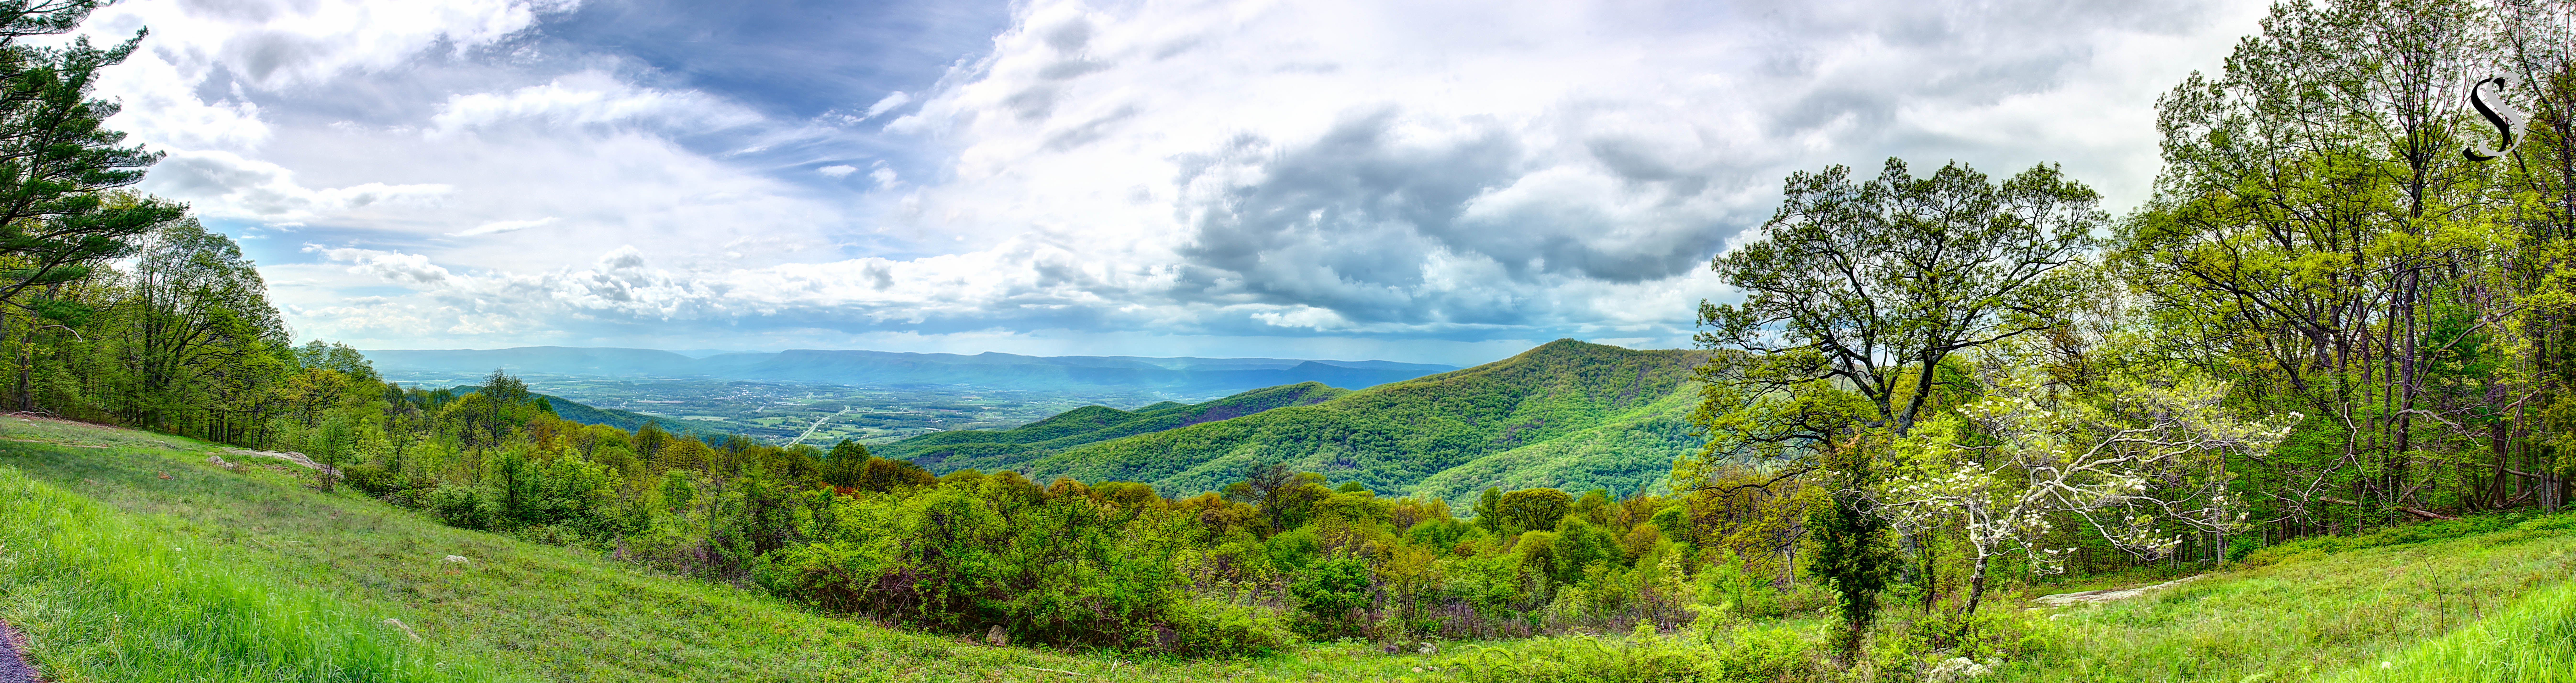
(230, 186)
(1464, 172)
(503, 226)
(1463, 169)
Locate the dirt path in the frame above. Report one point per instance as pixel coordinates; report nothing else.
(13, 669)
(2064, 599)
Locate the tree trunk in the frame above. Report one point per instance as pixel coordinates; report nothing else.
(1976, 592)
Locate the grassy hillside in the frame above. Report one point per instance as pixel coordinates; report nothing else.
(1615, 410)
(283, 583)
(1000, 449)
(124, 556)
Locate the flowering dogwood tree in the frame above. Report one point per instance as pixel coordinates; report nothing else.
(2010, 463)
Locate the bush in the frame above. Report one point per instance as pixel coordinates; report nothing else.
(464, 507)
(1330, 595)
(1770, 653)
(370, 479)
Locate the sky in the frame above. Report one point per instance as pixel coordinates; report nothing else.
(1425, 181)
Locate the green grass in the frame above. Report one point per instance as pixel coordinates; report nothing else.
(107, 595)
(525, 611)
(2534, 642)
(2317, 615)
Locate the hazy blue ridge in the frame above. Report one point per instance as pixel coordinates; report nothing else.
(1182, 376)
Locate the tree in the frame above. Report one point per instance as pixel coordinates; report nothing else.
(200, 330)
(1532, 510)
(1282, 494)
(1856, 296)
(847, 465)
(2023, 456)
(2318, 236)
(57, 159)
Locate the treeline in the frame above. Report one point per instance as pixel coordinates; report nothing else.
(2347, 306)
(1280, 557)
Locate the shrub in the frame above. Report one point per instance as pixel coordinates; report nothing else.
(1768, 653)
(371, 479)
(1330, 594)
(1203, 628)
(464, 507)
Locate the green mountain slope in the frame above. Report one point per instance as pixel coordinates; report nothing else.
(1003, 449)
(1566, 414)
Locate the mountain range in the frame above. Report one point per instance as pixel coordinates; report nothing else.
(1567, 414)
(992, 370)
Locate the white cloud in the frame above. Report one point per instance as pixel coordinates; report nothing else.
(1254, 169)
(273, 45)
(412, 269)
(1467, 168)
(889, 103)
(495, 227)
(223, 184)
(583, 99)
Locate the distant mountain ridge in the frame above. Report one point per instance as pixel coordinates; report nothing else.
(1186, 375)
(1566, 414)
(996, 449)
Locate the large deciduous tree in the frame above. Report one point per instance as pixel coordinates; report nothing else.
(1856, 294)
(200, 333)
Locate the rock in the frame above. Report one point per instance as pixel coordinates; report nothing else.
(1428, 648)
(1956, 669)
(406, 629)
(218, 461)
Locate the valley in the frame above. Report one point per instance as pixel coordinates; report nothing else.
(868, 396)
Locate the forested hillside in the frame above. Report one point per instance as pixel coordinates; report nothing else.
(997, 450)
(1566, 414)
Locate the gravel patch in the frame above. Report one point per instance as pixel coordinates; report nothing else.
(14, 669)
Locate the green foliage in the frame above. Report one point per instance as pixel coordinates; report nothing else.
(1531, 510)
(1853, 554)
(962, 449)
(1330, 594)
(1394, 437)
